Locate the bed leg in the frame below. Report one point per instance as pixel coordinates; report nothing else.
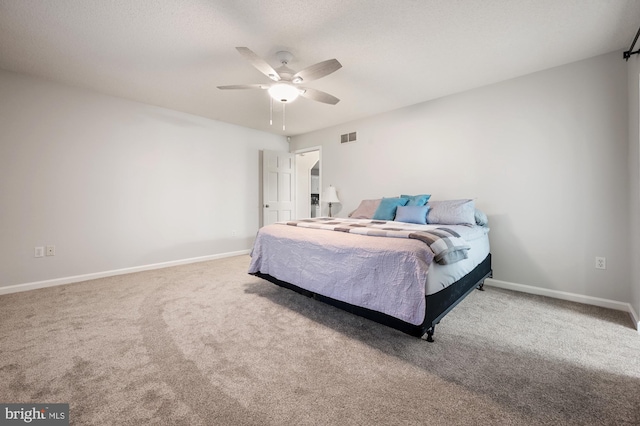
(481, 286)
(429, 334)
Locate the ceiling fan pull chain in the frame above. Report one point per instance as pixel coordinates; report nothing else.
(270, 111)
(283, 116)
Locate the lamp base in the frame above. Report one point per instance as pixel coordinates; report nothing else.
(329, 209)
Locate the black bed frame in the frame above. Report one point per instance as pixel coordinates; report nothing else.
(438, 304)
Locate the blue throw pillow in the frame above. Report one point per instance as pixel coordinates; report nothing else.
(417, 200)
(387, 208)
(412, 214)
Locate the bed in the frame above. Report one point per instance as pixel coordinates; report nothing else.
(404, 275)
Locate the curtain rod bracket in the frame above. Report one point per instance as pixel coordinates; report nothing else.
(626, 55)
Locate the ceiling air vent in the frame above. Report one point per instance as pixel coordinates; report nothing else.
(348, 137)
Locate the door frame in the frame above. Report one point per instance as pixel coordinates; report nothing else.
(311, 149)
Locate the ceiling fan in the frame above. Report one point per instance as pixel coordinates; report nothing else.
(287, 83)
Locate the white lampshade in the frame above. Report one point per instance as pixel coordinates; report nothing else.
(331, 196)
(283, 92)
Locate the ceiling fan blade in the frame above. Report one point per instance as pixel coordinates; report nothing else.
(244, 86)
(259, 63)
(318, 95)
(317, 71)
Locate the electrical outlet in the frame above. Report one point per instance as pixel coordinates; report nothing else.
(38, 252)
(234, 233)
(51, 250)
(601, 263)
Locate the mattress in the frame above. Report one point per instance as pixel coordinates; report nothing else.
(440, 277)
(383, 274)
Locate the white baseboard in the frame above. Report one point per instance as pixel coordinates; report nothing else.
(635, 318)
(572, 297)
(78, 278)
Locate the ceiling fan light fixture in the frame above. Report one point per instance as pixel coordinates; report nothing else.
(283, 92)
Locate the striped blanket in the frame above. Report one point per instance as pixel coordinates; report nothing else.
(447, 245)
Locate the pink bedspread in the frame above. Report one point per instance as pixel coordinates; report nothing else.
(387, 275)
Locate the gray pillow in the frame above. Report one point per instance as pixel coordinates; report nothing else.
(366, 209)
(452, 212)
(481, 218)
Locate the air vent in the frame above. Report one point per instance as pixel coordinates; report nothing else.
(348, 137)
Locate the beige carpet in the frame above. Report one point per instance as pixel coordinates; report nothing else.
(207, 344)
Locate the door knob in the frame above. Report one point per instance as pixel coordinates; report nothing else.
(266, 206)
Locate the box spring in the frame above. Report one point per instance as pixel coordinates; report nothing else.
(438, 304)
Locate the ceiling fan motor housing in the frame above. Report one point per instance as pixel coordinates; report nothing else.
(284, 57)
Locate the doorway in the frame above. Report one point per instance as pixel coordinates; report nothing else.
(308, 182)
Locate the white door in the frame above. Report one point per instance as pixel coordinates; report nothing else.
(315, 184)
(278, 178)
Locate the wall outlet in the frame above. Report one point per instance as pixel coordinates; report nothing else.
(234, 233)
(601, 263)
(38, 252)
(51, 250)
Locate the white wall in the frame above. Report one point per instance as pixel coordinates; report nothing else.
(116, 184)
(545, 155)
(633, 74)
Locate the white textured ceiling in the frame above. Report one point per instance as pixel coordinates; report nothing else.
(173, 53)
